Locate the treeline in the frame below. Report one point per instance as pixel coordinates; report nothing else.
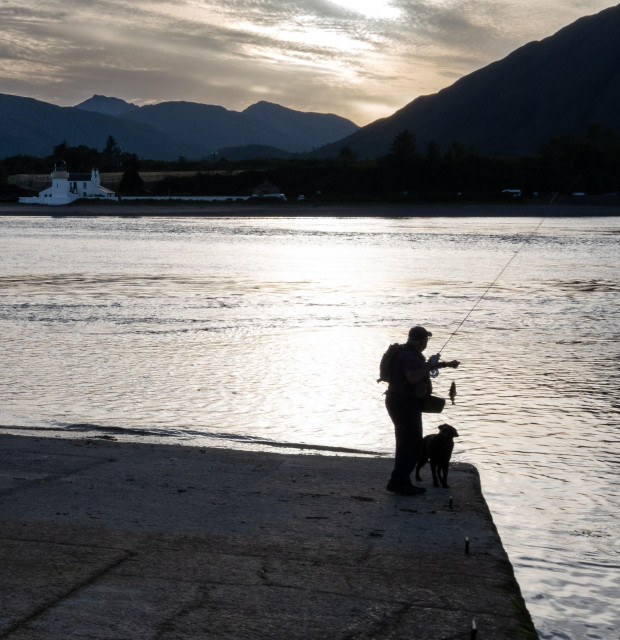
(78, 159)
(566, 164)
(589, 164)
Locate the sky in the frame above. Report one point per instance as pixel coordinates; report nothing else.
(360, 59)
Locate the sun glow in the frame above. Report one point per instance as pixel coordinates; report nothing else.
(378, 9)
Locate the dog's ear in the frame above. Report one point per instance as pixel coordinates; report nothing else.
(445, 425)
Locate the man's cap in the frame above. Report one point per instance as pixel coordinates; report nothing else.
(419, 333)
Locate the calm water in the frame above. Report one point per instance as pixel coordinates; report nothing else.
(260, 333)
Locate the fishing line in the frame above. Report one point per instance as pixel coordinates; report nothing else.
(434, 360)
(516, 253)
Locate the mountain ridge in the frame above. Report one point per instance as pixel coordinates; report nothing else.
(555, 86)
(162, 131)
(107, 105)
(33, 127)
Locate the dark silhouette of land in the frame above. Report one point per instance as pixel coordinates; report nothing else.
(557, 86)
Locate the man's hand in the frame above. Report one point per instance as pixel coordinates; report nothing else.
(433, 361)
(453, 364)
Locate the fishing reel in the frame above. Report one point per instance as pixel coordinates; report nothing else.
(434, 361)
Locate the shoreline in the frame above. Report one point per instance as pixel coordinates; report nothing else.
(292, 210)
(108, 539)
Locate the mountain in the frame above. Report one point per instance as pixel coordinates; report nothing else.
(108, 106)
(209, 126)
(263, 124)
(32, 127)
(162, 131)
(557, 86)
(311, 129)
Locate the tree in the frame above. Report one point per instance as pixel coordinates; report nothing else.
(401, 162)
(131, 184)
(433, 152)
(404, 149)
(111, 147)
(130, 160)
(60, 150)
(347, 157)
(111, 155)
(81, 158)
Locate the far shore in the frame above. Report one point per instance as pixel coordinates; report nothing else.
(308, 209)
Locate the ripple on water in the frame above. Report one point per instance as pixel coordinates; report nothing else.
(266, 333)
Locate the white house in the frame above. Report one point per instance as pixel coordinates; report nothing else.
(68, 187)
(267, 190)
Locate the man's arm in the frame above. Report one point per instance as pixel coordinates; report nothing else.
(417, 375)
(451, 363)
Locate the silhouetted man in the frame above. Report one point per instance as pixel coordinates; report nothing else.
(410, 385)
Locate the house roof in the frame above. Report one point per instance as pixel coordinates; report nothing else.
(266, 187)
(83, 177)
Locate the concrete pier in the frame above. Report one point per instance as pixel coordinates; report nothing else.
(106, 540)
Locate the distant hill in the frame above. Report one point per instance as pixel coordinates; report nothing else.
(108, 106)
(264, 124)
(556, 86)
(32, 127)
(162, 131)
(310, 129)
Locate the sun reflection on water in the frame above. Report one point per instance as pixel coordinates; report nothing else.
(254, 333)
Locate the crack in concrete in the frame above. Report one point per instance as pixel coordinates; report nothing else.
(89, 580)
(168, 626)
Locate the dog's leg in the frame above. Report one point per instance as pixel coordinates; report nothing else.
(434, 472)
(444, 479)
(439, 474)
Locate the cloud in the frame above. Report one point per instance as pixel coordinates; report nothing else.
(362, 59)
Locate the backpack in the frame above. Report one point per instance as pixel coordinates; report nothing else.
(385, 366)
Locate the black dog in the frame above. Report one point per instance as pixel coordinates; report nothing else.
(437, 448)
